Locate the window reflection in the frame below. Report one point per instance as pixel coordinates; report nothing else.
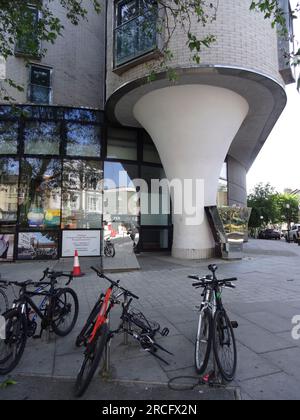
(150, 153)
(156, 202)
(122, 144)
(83, 140)
(40, 193)
(42, 138)
(82, 194)
(9, 177)
(8, 137)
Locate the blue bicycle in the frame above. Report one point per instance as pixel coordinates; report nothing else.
(58, 312)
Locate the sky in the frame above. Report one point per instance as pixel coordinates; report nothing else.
(279, 160)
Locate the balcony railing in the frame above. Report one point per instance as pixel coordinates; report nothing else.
(135, 38)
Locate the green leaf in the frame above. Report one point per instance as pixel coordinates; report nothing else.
(7, 383)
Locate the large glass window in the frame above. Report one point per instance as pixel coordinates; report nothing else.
(82, 194)
(222, 196)
(9, 179)
(40, 193)
(135, 32)
(122, 144)
(155, 204)
(8, 137)
(83, 140)
(40, 85)
(150, 153)
(155, 239)
(42, 138)
(28, 43)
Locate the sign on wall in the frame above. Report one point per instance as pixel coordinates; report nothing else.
(87, 243)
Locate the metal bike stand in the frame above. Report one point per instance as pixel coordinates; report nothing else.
(105, 372)
(125, 342)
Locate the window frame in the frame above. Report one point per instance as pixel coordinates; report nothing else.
(30, 84)
(22, 53)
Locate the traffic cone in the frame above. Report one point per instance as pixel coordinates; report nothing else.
(76, 268)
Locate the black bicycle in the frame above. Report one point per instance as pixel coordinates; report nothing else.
(96, 334)
(58, 312)
(3, 300)
(109, 249)
(215, 330)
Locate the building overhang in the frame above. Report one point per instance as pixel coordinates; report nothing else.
(266, 98)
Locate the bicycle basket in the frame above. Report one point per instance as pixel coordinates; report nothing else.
(138, 319)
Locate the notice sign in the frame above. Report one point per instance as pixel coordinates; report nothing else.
(87, 243)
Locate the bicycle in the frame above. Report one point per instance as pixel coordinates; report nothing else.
(95, 335)
(109, 249)
(215, 330)
(3, 300)
(58, 306)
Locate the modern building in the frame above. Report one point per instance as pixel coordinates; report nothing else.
(89, 112)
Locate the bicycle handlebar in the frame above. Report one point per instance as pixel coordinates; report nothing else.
(114, 283)
(54, 275)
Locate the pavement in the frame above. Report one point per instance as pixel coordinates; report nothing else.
(265, 302)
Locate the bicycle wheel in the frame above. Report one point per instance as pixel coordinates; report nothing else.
(86, 331)
(3, 302)
(92, 358)
(13, 346)
(203, 341)
(224, 346)
(110, 251)
(65, 312)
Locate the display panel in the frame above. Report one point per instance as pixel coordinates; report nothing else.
(38, 245)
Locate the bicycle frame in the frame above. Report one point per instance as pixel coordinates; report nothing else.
(106, 307)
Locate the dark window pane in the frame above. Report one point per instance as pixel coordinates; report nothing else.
(155, 239)
(40, 76)
(83, 140)
(127, 10)
(38, 245)
(150, 153)
(8, 137)
(40, 94)
(122, 144)
(82, 194)
(42, 138)
(28, 43)
(9, 177)
(40, 193)
(155, 204)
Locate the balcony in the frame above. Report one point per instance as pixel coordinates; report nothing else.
(135, 39)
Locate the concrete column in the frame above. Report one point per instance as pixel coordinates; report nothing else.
(193, 127)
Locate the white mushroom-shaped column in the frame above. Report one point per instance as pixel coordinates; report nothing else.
(192, 127)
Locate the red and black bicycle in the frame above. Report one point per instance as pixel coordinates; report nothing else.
(95, 335)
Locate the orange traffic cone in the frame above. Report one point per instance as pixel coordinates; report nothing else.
(76, 269)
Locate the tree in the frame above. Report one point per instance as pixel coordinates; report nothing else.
(269, 206)
(263, 204)
(19, 24)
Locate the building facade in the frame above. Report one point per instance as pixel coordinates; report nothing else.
(88, 114)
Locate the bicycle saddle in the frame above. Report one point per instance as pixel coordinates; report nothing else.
(213, 268)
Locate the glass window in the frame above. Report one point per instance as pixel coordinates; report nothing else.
(155, 239)
(7, 245)
(223, 174)
(40, 193)
(83, 140)
(9, 179)
(8, 137)
(155, 205)
(82, 194)
(121, 201)
(150, 153)
(122, 144)
(42, 138)
(135, 33)
(222, 198)
(40, 85)
(28, 43)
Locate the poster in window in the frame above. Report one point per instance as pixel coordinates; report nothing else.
(87, 243)
(38, 246)
(7, 243)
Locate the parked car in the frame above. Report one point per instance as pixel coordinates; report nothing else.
(269, 234)
(293, 234)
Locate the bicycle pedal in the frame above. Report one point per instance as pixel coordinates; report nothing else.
(234, 324)
(165, 332)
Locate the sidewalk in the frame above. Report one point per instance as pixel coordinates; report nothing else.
(266, 300)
